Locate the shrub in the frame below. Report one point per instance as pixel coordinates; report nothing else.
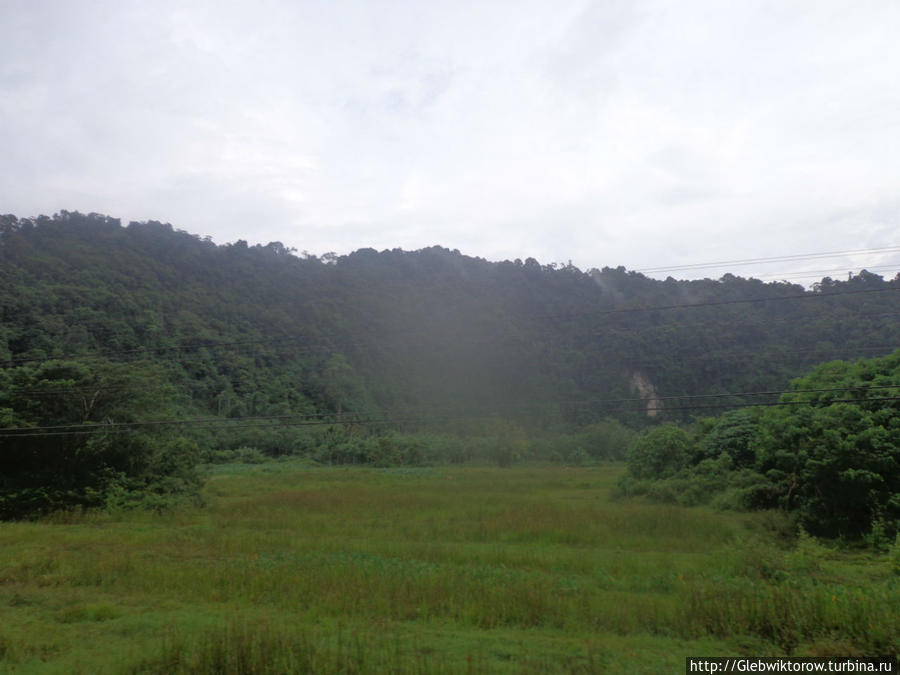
(659, 453)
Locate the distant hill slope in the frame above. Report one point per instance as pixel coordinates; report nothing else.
(258, 330)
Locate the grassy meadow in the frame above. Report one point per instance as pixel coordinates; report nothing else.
(291, 567)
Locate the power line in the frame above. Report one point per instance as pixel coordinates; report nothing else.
(719, 303)
(174, 422)
(391, 415)
(784, 258)
(810, 274)
(769, 404)
(743, 394)
(776, 353)
(362, 421)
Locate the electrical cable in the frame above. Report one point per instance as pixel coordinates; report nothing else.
(102, 429)
(390, 415)
(771, 259)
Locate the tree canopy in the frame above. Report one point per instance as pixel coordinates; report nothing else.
(829, 453)
(165, 324)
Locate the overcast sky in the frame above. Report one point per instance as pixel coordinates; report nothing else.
(638, 133)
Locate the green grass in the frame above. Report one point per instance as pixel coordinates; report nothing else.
(293, 568)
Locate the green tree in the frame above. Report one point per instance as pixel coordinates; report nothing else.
(72, 436)
(659, 452)
(732, 433)
(838, 466)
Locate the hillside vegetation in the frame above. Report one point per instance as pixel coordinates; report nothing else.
(260, 330)
(829, 452)
(130, 354)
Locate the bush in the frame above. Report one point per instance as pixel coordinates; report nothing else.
(608, 439)
(659, 453)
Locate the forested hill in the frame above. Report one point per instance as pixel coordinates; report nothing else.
(240, 330)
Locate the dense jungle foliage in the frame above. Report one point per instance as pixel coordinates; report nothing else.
(373, 357)
(830, 454)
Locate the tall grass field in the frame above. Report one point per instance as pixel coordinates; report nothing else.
(291, 568)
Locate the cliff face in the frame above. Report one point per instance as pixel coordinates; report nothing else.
(646, 391)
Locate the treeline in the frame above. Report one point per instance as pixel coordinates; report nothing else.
(255, 330)
(257, 349)
(113, 435)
